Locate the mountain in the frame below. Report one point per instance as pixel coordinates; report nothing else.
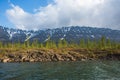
(73, 33)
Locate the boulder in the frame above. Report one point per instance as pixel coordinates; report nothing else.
(6, 60)
(0, 60)
(31, 60)
(83, 59)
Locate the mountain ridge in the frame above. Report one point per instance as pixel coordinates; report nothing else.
(72, 33)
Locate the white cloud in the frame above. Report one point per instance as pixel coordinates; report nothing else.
(61, 13)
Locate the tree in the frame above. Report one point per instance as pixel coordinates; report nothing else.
(73, 45)
(64, 43)
(1, 45)
(23, 45)
(82, 43)
(48, 44)
(103, 42)
(35, 44)
(54, 44)
(108, 43)
(41, 45)
(60, 44)
(27, 43)
(88, 44)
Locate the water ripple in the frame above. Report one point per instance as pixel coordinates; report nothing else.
(89, 70)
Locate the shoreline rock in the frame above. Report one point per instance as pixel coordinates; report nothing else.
(44, 56)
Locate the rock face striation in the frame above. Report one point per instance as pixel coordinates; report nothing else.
(43, 56)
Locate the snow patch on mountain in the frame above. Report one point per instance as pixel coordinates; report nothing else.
(63, 37)
(29, 35)
(11, 34)
(47, 39)
(92, 36)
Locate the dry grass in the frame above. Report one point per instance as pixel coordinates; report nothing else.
(88, 52)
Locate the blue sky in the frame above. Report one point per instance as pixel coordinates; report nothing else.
(27, 5)
(42, 14)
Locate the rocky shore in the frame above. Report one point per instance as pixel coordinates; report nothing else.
(63, 55)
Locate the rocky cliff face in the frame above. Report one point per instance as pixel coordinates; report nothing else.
(74, 33)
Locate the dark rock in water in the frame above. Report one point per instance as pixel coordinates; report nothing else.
(31, 60)
(113, 56)
(91, 59)
(83, 59)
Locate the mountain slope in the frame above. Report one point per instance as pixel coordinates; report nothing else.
(74, 33)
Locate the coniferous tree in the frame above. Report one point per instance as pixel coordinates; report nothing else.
(54, 44)
(64, 43)
(88, 44)
(41, 45)
(71, 44)
(103, 42)
(60, 44)
(82, 43)
(1, 45)
(35, 44)
(27, 44)
(48, 44)
(108, 43)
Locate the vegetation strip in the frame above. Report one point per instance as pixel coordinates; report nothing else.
(59, 51)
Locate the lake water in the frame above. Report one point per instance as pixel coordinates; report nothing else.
(87, 70)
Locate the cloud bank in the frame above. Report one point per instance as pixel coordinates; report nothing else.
(96, 13)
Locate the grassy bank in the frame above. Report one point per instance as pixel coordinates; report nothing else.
(60, 51)
(61, 54)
